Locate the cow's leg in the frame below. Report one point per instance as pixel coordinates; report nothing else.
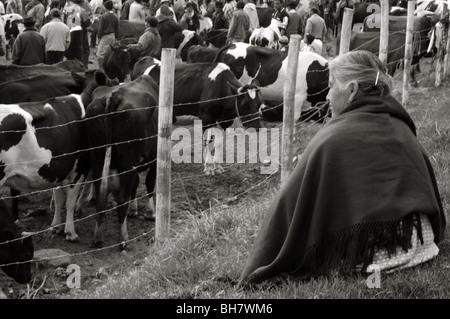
(218, 153)
(133, 208)
(71, 200)
(209, 147)
(128, 184)
(99, 226)
(59, 196)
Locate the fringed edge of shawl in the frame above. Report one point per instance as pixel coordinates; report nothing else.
(347, 249)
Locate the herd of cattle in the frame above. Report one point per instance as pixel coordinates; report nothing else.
(63, 125)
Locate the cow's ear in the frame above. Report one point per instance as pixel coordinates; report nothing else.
(100, 77)
(77, 77)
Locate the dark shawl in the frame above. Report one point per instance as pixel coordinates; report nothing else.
(359, 186)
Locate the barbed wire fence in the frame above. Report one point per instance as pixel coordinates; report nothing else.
(292, 129)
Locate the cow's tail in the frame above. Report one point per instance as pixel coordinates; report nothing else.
(109, 109)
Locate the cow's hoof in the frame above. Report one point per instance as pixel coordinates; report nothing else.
(123, 246)
(73, 238)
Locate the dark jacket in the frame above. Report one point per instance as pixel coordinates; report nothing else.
(29, 48)
(167, 29)
(108, 23)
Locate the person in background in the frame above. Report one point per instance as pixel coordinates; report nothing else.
(2, 8)
(36, 10)
(98, 9)
(14, 6)
(57, 38)
(108, 30)
(250, 9)
(228, 8)
(76, 18)
(47, 16)
(315, 25)
(280, 16)
(218, 18)
(29, 47)
(239, 26)
(137, 13)
(362, 195)
(189, 20)
(117, 7)
(169, 5)
(294, 26)
(167, 27)
(149, 43)
(125, 11)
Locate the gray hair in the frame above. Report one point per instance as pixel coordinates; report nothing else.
(361, 67)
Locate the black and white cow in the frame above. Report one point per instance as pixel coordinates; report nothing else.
(211, 92)
(269, 66)
(38, 88)
(198, 53)
(42, 147)
(131, 115)
(16, 248)
(12, 72)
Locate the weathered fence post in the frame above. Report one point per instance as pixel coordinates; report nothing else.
(346, 31)
(163, 180)
(408, 51)
(440, 64)
(447, 47)
(289, 108)
(384, 31)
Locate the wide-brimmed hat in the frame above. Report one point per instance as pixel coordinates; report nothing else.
(29, 20)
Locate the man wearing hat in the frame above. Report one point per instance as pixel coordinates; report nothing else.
(239, 25)
(29, 46)
(57, 38)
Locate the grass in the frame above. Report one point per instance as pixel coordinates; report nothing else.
(207, 250)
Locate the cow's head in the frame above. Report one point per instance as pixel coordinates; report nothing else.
(118, 60)
(90, 80)
(16, 248)
(247, 103)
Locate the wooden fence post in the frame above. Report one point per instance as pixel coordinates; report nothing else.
(447, 47)
(440, 63)
(408, 51)
(164, 164)
(288, 108)
(346, 31)
(384, 31)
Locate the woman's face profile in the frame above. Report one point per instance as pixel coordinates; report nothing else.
(338, 97)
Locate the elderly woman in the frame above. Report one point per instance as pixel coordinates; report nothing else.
(362, 194)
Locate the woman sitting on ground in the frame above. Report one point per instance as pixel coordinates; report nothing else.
(362, 194)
